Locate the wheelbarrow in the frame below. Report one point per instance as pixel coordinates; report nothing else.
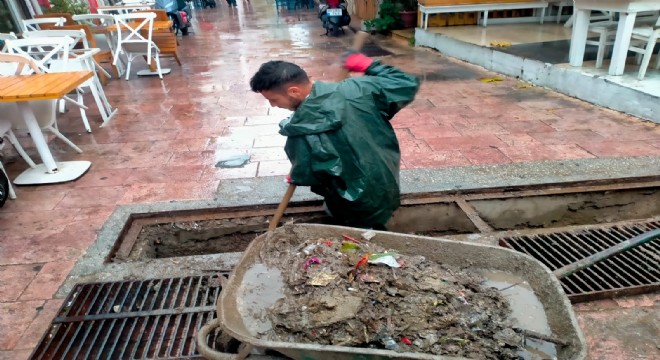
(238, 321)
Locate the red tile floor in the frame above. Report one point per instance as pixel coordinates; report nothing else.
(163, 145)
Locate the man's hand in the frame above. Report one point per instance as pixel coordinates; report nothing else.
(356, 62)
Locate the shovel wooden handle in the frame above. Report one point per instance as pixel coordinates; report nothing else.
(280, 209)
(358, 42)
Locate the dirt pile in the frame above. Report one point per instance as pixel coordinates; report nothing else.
(348, 292)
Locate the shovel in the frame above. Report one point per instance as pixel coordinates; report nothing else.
(358, 42)
(602, 255)
(585, 263)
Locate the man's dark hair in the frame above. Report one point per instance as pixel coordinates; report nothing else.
(275, 74)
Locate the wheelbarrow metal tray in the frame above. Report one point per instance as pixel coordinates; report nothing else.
(560, 316)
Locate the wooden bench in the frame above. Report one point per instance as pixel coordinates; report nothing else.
(428, 9)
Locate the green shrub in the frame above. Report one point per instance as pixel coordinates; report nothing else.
(388, 17)
(73, 7)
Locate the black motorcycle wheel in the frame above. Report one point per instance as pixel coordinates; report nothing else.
(4, 188)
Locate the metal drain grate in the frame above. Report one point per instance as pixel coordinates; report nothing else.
(631, 272)
(149, 319)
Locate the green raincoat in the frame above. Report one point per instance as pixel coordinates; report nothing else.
(340, 143)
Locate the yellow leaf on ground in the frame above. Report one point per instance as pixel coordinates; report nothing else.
(490, 80)
(500, 44)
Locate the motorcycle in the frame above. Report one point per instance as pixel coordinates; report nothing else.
(334, 16)
(179, 12)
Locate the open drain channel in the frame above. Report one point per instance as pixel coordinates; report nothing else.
(230, 230)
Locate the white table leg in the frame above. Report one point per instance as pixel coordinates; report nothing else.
(485, 18)
(49, 172)
(622, 42)
(37, 136)
(579, 37)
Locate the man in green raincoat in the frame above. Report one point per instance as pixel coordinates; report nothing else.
(339, 139)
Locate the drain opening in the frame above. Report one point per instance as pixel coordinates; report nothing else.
(373, 50)
(215, 233)
(230, 230)
(203, 236)
(150, 319)
(631, 272)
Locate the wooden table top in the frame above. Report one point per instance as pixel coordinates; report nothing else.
(158, 25)
(50, 86)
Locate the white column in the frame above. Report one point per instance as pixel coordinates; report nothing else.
(579, 37)
(622, 42)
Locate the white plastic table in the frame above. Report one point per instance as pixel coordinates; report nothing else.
(627, 10)
(49, 86)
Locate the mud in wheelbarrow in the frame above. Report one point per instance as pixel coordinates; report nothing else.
(244, 323)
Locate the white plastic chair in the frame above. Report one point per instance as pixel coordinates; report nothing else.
(80, 60)
(44, 110)
(131, 42)
(96, 21)
(560, 4)
(35, 24)
(104, 40)
(7, 36)
(606, 31)
(643, 42)
(124, 9)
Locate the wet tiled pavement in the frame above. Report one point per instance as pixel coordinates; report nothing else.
(164, 144)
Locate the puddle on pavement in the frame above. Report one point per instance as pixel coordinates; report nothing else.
(527, 312)
(260, 289)
(231, 160)
(451, 73)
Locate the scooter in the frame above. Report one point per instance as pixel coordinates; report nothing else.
(179, 12)
(334, 17)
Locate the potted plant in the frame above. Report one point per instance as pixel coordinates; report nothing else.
(394, 14)
(408, 13)
(388, 17)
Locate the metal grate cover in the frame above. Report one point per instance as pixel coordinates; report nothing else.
(147, 319)
(630, 272)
